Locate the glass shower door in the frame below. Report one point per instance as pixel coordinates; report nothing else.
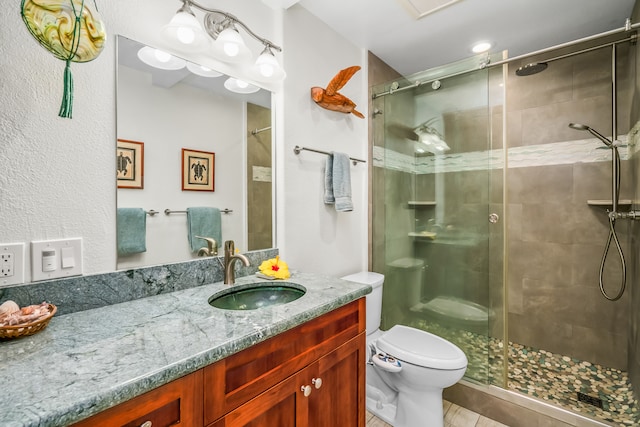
(442, 180)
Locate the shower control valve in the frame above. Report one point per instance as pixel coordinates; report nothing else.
(625, 215)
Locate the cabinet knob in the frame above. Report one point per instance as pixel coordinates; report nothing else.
(317, 382)
(306, 390)
(146, 424)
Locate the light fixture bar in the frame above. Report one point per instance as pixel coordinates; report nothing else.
(209, 23)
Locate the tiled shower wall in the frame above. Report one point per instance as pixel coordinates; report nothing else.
(556, 240)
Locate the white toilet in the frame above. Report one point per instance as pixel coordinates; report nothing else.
(408, 368)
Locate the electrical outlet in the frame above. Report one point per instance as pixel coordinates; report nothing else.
(6, 264)
(11, 264)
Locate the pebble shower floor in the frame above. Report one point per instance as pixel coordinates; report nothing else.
(547, 376)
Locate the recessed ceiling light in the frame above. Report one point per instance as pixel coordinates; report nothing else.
(481, 47)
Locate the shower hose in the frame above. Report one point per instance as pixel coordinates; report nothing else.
(613, 236)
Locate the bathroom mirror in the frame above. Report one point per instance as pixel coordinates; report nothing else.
(164, 116)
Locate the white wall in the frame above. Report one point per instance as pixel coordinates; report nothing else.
(57, 175)
(312, 236)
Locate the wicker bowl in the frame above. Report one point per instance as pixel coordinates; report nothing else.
(29, 328)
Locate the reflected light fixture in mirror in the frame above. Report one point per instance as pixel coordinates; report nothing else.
(185, 32)
(160, 59)
(240, 86)
(202, 71)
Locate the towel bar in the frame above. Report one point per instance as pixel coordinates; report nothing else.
(151, 212)
(297, 149)
(257, 131)
(169, 211)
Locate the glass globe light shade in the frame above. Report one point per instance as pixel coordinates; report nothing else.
(184, 31)
(230, 47)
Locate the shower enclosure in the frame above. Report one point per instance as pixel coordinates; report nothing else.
(490, 220)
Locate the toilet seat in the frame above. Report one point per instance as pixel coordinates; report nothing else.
(421, 348)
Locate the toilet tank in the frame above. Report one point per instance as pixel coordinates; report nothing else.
(374, 299)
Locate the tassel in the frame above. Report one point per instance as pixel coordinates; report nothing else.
(66, 108)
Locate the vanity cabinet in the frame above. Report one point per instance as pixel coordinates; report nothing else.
(265, 384)
(312, 375)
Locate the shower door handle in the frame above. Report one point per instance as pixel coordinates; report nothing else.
(494, 218)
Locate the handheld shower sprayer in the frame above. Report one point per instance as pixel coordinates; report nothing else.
(601, 137)
(613, 214)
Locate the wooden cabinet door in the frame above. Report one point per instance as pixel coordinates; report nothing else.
(340, 399)
(283, 405)
(176, 403)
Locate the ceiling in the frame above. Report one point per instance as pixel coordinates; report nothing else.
(390, 29)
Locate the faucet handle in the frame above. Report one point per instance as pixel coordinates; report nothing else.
(212, 245)
(229, 247)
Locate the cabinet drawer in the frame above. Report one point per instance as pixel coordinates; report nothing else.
(176, 403)
(242, 376)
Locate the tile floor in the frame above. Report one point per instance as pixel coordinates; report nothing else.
(454, 416)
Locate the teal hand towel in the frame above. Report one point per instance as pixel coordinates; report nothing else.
(341, 168)
(328, 181)
(204, 222)
(131, 230)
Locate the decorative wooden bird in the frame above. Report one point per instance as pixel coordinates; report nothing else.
(330, 99)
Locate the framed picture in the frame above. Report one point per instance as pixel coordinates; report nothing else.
(130, 164)
(198, 170)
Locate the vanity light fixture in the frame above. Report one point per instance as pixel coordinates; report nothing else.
(160, 59)
(240, 86)
(221, 36)
(431, 138)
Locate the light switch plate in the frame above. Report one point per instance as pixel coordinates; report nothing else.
(72, 248)
(13, 255)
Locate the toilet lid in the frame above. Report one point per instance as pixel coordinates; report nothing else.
(421, 348)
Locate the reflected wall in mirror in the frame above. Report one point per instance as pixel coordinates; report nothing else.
(171, 110)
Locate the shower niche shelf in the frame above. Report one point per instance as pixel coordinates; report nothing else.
(421, 203)
(607, 203)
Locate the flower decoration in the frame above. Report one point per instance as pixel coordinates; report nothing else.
(275, 267)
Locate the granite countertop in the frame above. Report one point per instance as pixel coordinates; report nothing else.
(88, 361)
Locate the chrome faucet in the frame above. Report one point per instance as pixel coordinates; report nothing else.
(229, 260)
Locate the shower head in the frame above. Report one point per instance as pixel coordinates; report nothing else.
(578, 126)
(601, 137)
(533, 68)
